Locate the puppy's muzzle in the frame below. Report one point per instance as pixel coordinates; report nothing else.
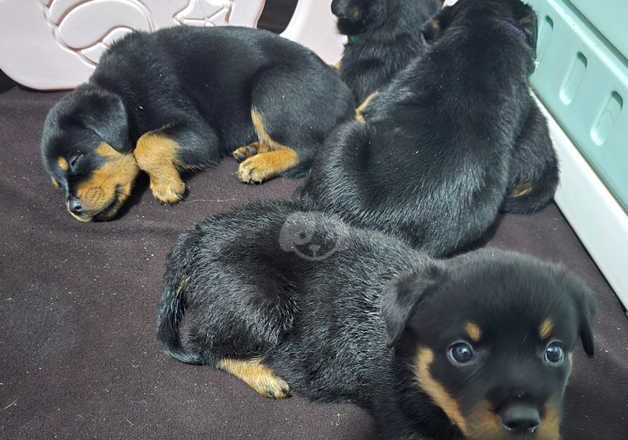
(520, 418)
(76, 209)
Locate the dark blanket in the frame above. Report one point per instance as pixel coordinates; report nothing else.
(78, 304)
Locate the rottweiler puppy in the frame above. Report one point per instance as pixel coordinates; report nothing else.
(385, 35)
(534, 166)
(479, 347)
(382, 37)
(432, 163)
(181, 99)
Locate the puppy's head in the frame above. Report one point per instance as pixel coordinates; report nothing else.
(489, 340)
(359, 16)
(492, 16)
(86, 152)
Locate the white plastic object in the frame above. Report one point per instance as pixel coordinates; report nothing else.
(56, 44)
(594, 214)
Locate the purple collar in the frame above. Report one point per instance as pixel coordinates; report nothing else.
(513, 27)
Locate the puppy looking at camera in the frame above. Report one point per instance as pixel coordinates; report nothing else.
(433, 163)
(181, 99)
(478, 347)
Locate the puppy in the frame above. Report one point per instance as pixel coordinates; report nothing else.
(534, 166)
(182, 98)
(382, 37)
(478, 347)
(433, 162)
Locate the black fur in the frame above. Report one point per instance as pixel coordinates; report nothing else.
(348, 326)
(534, 164)
(197, 86)
(436, 157)
(383, 36)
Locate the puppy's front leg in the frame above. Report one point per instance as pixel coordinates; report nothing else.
(189, 144)
(156, 154)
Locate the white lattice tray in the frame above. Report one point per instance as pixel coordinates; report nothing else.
(56, 44)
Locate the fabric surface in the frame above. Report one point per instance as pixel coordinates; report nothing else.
(78, 306)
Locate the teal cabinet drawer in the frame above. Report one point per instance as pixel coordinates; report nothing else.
(610, 18)
(583, 80)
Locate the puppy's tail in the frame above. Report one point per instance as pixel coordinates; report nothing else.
(173, 301)
(532, 197)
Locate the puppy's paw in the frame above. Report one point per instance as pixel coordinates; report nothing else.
(256, 375)
(245, 152)
(272, 387)
(262, 167)
(256, 169)
(168, 191)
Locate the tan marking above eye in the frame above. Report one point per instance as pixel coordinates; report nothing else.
(545, 329)
(63, 163)
(435, 390)
(473, 330)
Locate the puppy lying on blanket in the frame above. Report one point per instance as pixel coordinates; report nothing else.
(182, 98)
(478, 347)
(433, 163)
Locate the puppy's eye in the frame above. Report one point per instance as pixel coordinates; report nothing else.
(554, 353)
(74, 159)
(460, 353)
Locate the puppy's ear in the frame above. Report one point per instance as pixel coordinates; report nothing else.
(403, 294)
(104, 114)
(434, 27)
(585, 308)
(586, 305)
(527, 22)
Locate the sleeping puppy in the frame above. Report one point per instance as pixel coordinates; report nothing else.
(181, 99)
(382, 37)
(432, 164)
(478, 347)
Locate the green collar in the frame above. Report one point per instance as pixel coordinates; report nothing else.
(353, 39)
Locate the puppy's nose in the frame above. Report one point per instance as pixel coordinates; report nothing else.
(75, 206)
(520, 418)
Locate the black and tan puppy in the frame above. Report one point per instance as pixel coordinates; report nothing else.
(534, 166)
(433, 162)
(478, 347)
(182, 98)
(382, 37)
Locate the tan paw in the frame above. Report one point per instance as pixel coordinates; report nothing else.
(262, 167)
(245, 152)
(256, 375)
(272, 387)
(255, 170)
(168, 191)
